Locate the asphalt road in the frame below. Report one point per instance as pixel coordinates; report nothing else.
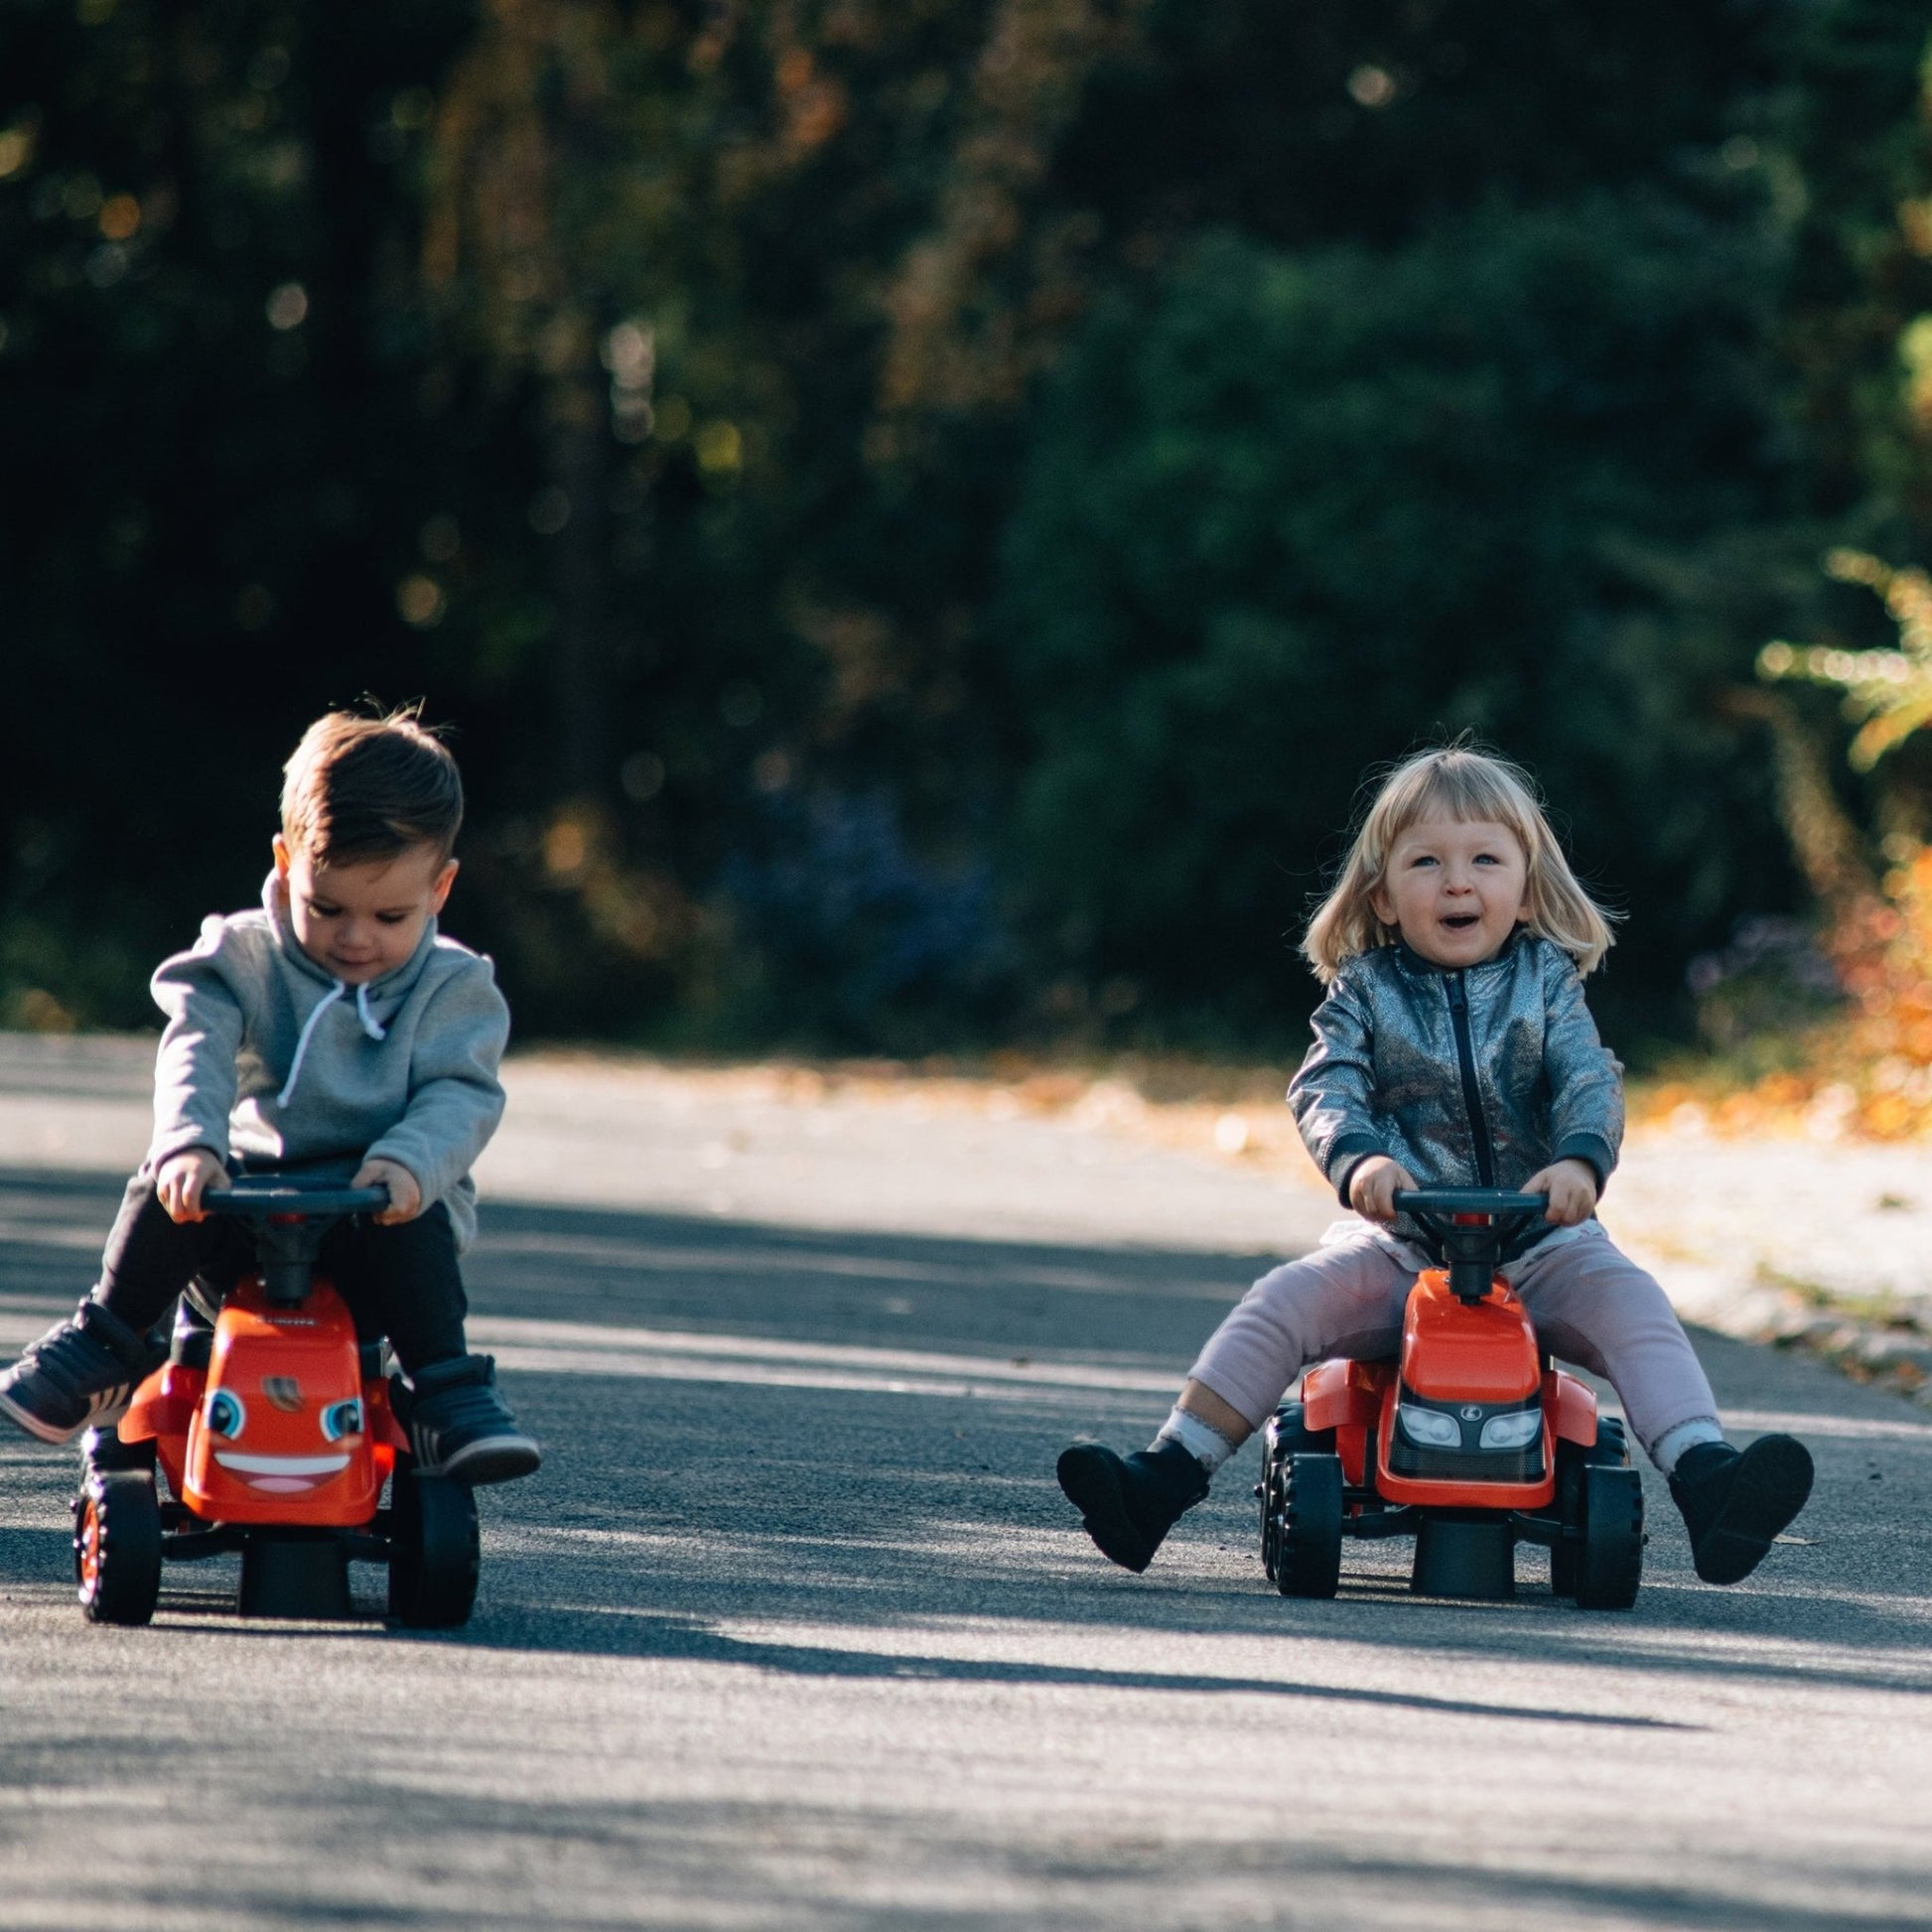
(794, 1630)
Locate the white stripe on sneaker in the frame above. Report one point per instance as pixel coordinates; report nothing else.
(513, 1455)
(26, 1419)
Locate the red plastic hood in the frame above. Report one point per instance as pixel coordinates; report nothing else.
(282, 1434)
(1484, 1351)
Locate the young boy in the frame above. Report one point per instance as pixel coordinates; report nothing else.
(335, 1032)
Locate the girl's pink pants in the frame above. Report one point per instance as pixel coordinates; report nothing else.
(1591, 1306)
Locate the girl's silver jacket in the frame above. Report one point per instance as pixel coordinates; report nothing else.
(1478, 1077)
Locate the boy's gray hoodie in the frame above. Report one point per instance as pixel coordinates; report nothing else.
(267, 1057)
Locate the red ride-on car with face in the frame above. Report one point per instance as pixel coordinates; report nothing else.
(272, 1434)
(1469, 1441)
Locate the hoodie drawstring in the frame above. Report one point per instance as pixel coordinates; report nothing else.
(371, 1026)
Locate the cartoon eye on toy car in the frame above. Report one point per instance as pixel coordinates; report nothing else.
(1468, 1441)
(271, 1430)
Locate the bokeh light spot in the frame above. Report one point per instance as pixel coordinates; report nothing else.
(287, 306)
(642, 776)
(1371, 87)
(81, 197)
(441, 537)
(720, 447)
(120, 218)
(16, 150)
(412, 108)
(420, 601)
(549, 510)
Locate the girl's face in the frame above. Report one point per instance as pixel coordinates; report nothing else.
(1453, 889)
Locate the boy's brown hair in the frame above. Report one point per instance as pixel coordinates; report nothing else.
(362, 787)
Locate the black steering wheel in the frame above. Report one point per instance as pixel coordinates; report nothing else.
(289, 1222)
(277, 1197)
(1475, 1230)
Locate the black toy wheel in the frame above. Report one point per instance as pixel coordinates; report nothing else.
(1286, 1434)
(1610, 1552)
(435, 1553)
(1572, 1458)
(1307, 1550)
(118, 1546)
(1269, 1490)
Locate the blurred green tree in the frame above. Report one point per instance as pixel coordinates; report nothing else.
(1286, 516)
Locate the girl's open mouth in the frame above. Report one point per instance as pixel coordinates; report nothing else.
(1457, 921)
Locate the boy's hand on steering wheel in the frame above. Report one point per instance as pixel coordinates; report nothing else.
(406, 1196)
(1572, 1187)
(1374, 1184)
(182, 1178)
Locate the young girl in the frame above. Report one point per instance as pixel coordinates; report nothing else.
(1454, 1050)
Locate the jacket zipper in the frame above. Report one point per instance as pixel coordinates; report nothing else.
(1458, 1002)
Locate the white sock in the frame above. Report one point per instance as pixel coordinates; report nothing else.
(1202, 1440)
(1672, 1444)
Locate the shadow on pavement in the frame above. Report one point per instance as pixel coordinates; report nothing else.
(791, 1868)
(694, 1642)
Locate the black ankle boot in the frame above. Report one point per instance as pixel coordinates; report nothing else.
(1128, 1504)
(1734, 1505)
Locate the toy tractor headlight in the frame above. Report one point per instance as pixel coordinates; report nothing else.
(1512, 1432)
(341, 1419)
(225, 1414)
(1429, 1429)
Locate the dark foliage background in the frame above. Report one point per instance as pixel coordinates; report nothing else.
(922, 511)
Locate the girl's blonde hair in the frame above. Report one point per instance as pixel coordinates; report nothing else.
(1455, 782)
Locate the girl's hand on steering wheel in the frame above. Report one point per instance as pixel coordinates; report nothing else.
(1374, 1184)
(1572, 1187)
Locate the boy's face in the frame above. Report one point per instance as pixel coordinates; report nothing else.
(1453, 889)
(361, 921)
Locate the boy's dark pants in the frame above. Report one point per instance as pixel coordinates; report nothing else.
(401, 1282)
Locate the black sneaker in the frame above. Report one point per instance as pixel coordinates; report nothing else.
(459, 1426)
(1128, 1504)
(82, 1371)
(1735, 1503)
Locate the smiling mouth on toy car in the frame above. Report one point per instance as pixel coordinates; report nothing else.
(282, 1476)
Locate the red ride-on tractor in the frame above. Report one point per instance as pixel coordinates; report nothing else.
(272, 1430)
(1468, 1441)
